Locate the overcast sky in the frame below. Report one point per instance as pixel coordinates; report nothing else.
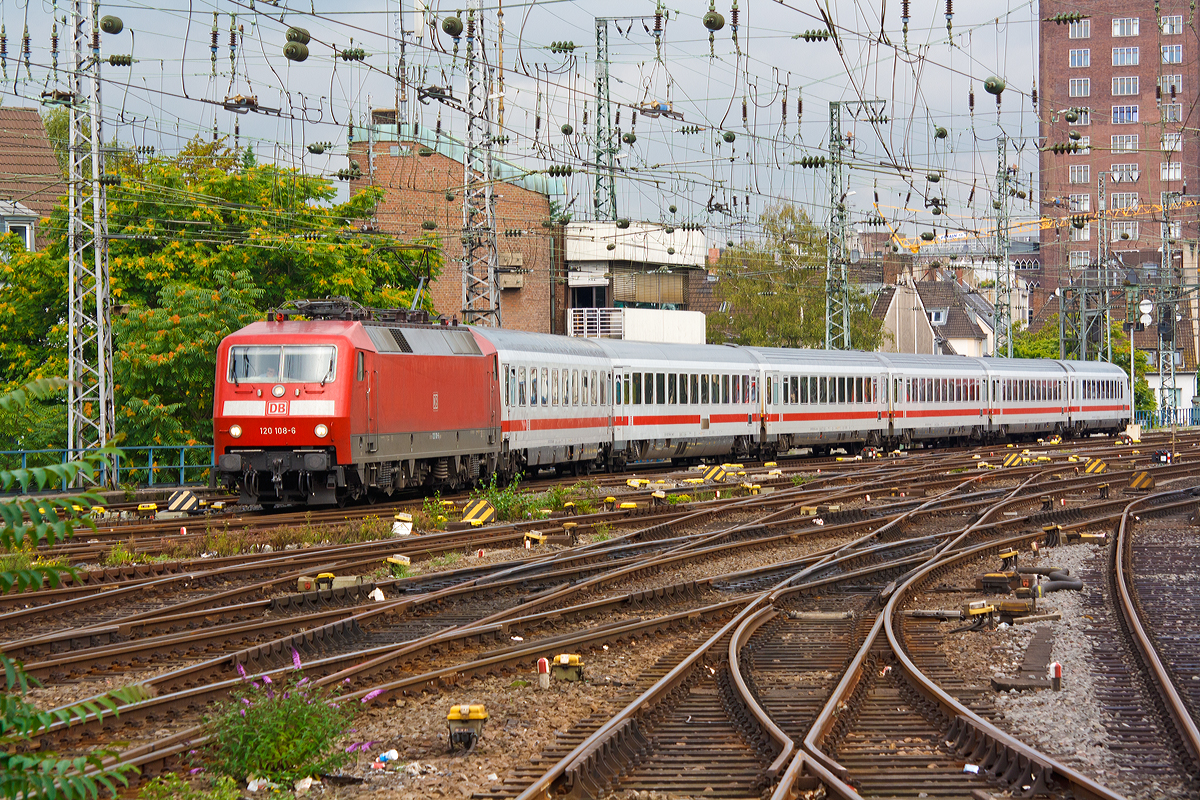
(166, 96)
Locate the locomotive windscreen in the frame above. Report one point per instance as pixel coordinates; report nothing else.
(289, 364)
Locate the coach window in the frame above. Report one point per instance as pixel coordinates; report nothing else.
(704, 388)
(533, 386)
(520, 386)
(627, 388)
(636, 389)
(737, 388)
(672, 395)
(545, 384)
(660, 387)
(574, 387)
(724, 388)
(617, 384)
(683, 389)
(507, 386)
(695, 393)
(554, 387)
(583, 387)
(596, 393)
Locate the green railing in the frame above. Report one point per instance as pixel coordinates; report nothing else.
(177, 465)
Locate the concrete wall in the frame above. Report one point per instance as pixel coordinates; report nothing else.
(656, 325)
(907, 324)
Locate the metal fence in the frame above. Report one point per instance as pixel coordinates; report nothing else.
(1164, 418)
(180, 465)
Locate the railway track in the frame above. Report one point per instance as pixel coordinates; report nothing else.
(792, 666)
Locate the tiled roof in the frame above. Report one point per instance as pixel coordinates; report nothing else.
(948, 295)
(29, 172)
(1048, 309)
(883, 301)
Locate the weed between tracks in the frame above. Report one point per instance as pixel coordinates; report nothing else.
(282, 731)
(513, 504)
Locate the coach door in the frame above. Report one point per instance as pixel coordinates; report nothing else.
(373, 408)
(771, 400)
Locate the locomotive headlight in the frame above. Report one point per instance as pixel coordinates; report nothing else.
(235, 431)
(321, 431)
(278, 391)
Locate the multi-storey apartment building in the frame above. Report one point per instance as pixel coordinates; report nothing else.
(1121, 82)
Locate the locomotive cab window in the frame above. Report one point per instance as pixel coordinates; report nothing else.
(360, 371)
(288, 364)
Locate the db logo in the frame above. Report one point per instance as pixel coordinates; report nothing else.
(277, 408)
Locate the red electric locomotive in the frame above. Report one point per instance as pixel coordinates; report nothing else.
(315, 412)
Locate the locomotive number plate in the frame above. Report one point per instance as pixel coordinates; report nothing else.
(276, 431)
(277, 408)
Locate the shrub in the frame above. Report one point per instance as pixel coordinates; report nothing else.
(283, 730)
(172, 787)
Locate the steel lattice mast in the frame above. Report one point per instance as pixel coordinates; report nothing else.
(90, 394)
(837, 305)
(480, 298)
(1002, 336)
(606, 191)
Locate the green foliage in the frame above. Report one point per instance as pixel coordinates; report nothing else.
(1044, 343)
(28, 524)
(445, 559)
(800, 480)
(513, 504)
(206, 240)
(172, 787)
(430, 517)
(282, 731)
(775, 289)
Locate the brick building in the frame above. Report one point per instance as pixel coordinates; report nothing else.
(31, 182)
(421, 172)
(1121, 84)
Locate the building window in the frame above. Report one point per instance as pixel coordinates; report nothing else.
(1085, 116)
(937, 316)
(1126, 56)
(1172, 25)
(1026, 264)
(1079, 87)
(1172, 231)
(1081, 58)
(22, 232)
(1124, 115)
(1125, 143)
(1083, 234)
(1124, 199)
(1172, 142)
(1080, 202)
(1125, 86)
(1125, 26)
(1171, 171)
(1170, 200)
(1124, 231)
(1172, 54)
(1171, 85)
(1079, 173)
(1085, 146)
(1080, 29)
(1079, 259)
(1124, 173)
(1172, 112)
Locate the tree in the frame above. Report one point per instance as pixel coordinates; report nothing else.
(201, 242)
(1043, 343)
(26, 525)
(773, 290)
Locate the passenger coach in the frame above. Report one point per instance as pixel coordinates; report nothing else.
(356, 403)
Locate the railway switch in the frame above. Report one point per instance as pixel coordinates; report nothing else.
(610, 503)
(1103, 491)
(534, 539)
(147, 509)
(659, 497)
(1008, 561)
(569, 507)
(1047, 502)
(1054, 535)
(567, 667)
(466, 723)
(402, 524)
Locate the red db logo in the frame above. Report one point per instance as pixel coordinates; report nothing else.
(277, 408)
